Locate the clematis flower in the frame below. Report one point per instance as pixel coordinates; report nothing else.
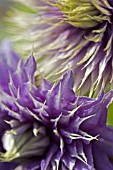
(69, 34)
(8, 64)
(49, 127)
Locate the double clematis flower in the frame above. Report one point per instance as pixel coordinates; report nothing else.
(48, 127)
(69, 34)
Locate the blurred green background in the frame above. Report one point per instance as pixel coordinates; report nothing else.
(110, 115)
(4, 7)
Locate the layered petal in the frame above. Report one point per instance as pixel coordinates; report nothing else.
(68, 34)
(49, 127)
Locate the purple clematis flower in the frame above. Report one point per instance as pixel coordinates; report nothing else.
(8, 64)
(49, 127)
(69, 34)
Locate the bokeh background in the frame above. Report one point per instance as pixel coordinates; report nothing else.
(5, 5)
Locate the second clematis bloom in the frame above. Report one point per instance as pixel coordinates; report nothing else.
(69, 34)
(49, 127)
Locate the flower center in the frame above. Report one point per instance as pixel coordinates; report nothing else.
(84, 13)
